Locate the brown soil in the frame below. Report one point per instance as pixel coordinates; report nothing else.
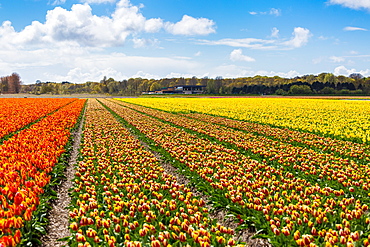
(58, 226)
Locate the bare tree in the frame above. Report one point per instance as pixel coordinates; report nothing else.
(10, 84)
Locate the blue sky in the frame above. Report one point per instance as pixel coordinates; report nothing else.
(85, 40)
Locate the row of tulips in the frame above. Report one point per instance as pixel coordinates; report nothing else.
(325, 144)
(17, 113)
(123, 197)
(340, 173)
(27, 160)
(290, 210)
(344, 119)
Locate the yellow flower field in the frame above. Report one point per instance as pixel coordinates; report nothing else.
(347, 119)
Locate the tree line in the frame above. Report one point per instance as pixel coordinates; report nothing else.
(10, 84)
(324, 83)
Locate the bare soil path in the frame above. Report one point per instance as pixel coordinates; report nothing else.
(58, 226)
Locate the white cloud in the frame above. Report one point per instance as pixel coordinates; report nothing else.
(139, 43)
(341, 70)
(143, 74)
(275, 12)
(159, 66)
(237, 55)
(354, 29)
(341, 59)
(272, 11)
(353, 4)
(197, 54)
(274, 32)
(191, 26)
(57, 2)
(6, 32)
(153, 25)
(69, 62)
(71, 44)
(82, 75)
(177, 75)
(234, 71)
(252, 43)
(336, 59)
(300, 37)
(81, 26)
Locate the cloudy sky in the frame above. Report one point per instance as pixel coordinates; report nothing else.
(85, 40)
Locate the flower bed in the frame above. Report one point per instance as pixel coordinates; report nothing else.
(288, 208)
(27, 160)
(123, 197)
(17, 113)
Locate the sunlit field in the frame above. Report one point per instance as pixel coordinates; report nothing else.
(347, 119)
(158, 171)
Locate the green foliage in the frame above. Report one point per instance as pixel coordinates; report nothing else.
(327, 90)
(300, 89)
(344, 91)
(257, 85)
(155, 86)
(280, 92)
(329, 78)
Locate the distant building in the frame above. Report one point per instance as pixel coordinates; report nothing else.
(182, 89)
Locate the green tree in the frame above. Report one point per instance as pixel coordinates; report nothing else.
(328, 90)
(321, 76)
(4, 84)
(46, 88)
(218, 84)
(113, 87)
(342, 79)
(280, 92)
(155, 86)
(310, 79)
(329, 78)
(300, 89)
(210, 87)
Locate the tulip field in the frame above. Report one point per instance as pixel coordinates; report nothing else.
(343, 119)
(293, 172)
(295, 188)
(123, 197)
(28, 160)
